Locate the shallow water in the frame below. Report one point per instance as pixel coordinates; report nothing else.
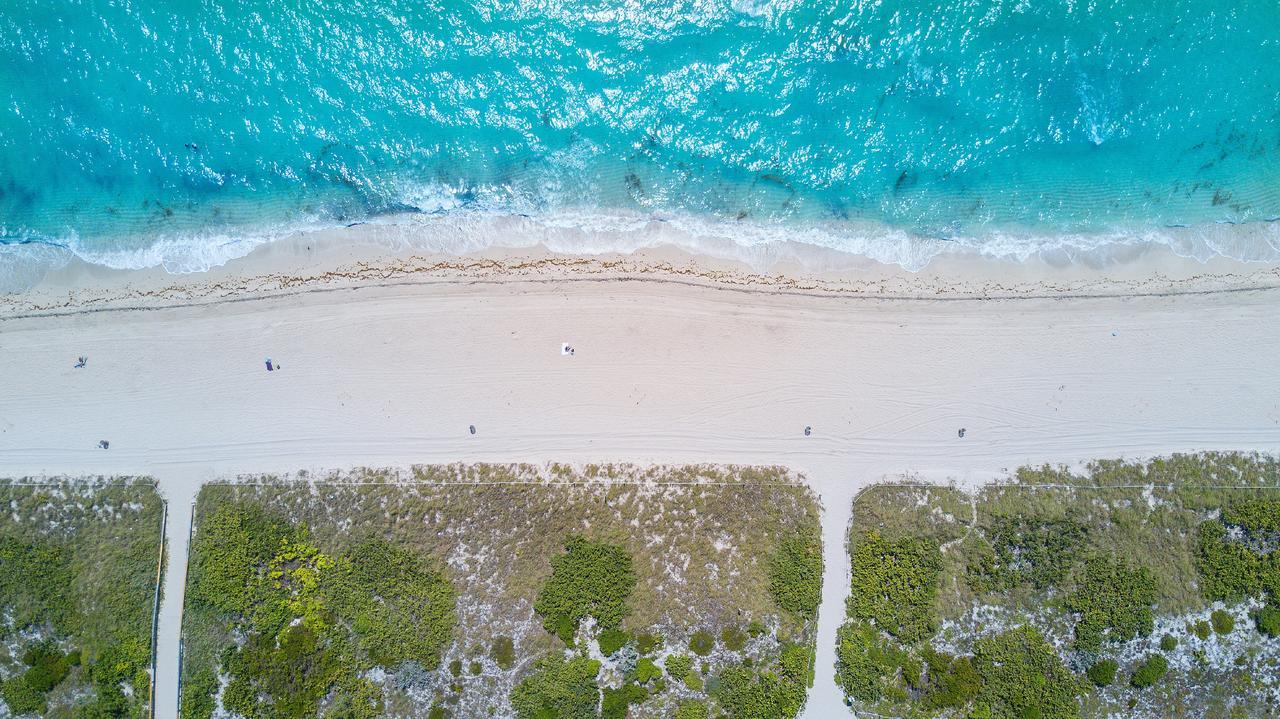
(184, 132)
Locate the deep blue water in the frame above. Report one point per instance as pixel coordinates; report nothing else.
(137, 132)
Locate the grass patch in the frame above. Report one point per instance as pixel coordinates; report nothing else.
(78, 570)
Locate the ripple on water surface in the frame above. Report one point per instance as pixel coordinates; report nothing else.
(184, 132)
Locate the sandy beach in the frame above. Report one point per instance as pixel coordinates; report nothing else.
(386, 359)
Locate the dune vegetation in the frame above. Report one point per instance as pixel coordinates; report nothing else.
(1126, 590)
(509, 591)
(79, 563)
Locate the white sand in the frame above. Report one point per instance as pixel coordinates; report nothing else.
(663, 372)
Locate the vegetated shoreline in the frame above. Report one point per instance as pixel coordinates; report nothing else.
(80, 572)
(1182, 608)
(493, 598)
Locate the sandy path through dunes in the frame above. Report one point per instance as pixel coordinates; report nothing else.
(662, 373)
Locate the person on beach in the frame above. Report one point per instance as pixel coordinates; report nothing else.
(82, 362)
(104, 444)
(270, 367)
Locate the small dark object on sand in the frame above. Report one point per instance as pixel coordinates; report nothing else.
(82, 362)
(961, 433)
(104, 444)
(472, 427)
(270, 367)
(807, 430)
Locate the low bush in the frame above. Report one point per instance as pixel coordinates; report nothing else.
(691, 710)
(678, 665)
(646, 643)
(1268, 621)
(743, 693)
(611, 640)
(617, 702)
(866, 663)
(1114, 602)
(1229, 556)
(560, 688)
(1201, 629)
(646, 670)
(21, 697)
(1168, 643)
(503, 652)
(701, 643)
(1223, 622)
(795, 573)
(733, 638)
(952, 682)
(1026, 550)
(1102, 673)
(1149, 671)
(895, 584)
(1022, 676)
(591, 579)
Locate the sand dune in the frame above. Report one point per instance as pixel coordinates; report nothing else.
(664, 372)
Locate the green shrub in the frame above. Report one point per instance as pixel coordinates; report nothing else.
(733, 638)
(1149, 672)
(611, 640)
(691, 710)
(1268, 621)
(1201, 629)
(1168, 643)
(646, 643)
(1023, 676)
(757, 628)
(438, 712)
(1026, 550)
(952, 681)
(21, 697)
(746, 694)
(198, 690)
(618, 701)
(701, 643)
(895, 584)
(47, 666)
(678, 665)
(795, 573)
(591, 579)
(455, 667)
(646, 670)
(1103, 673)
(475, 668)
(1230, 569)
(564, 689)
(1115, 603)
(503, 652)
(1223, 622)
(399, 606)
(866, 662)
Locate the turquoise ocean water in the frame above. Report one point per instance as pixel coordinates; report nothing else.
(182, 132)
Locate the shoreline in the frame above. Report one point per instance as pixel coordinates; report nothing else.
(665, 372)
(367, 255)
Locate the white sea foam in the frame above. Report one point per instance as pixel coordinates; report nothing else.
(449, 226)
